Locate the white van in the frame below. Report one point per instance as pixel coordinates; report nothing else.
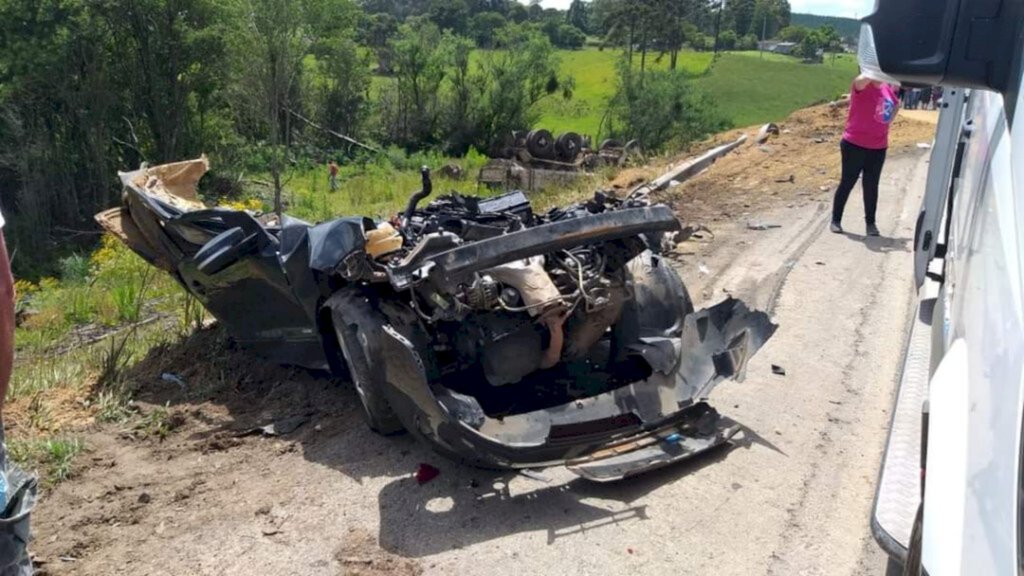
(950, 491)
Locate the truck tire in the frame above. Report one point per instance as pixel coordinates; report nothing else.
(568, 146)
(356, 326)
(540, 144)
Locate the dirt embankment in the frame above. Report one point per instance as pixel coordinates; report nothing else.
(799, 165)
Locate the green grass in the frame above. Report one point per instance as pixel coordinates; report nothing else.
(380, 191)
(52, 457)
(594, 73)
(751, 90)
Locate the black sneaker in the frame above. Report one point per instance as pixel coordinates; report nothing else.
(835, 227)
(872, 230)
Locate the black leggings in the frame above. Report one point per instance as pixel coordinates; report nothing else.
(855, 161)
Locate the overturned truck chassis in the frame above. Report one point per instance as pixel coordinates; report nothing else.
(501, 337)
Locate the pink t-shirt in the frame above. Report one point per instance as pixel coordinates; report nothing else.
(871, 111)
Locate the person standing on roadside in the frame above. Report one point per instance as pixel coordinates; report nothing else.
(17, 489)
(873, 106)
(332, 175)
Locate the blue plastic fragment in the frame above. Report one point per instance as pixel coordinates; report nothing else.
(673, 438)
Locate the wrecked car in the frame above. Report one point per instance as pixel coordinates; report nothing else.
(500, 336)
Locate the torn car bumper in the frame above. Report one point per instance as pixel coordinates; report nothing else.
(643, 425)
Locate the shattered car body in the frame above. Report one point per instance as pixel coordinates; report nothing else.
(501, 337)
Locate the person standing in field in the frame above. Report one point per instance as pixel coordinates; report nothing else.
(873, 106)
(332, 175)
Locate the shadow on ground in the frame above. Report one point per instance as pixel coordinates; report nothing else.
(223, 400)
(881, 244)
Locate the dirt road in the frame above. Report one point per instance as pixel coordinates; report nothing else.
(792, 497)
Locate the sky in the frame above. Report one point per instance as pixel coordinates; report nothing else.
(847, 8)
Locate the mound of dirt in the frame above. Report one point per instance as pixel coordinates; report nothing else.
(800, 164)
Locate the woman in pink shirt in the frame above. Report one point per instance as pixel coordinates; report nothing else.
(873, 105)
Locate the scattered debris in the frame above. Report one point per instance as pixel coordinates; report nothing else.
(535, 475)
(924, 145)
(791, 179)
(703, 270)
(761, 226)
(765, 148)
(842, 102)
(279, 427)
(425, 473)
(824, 187)
(778, 370)
(172, 378)
(766, 131)
(819, 262)
(451, 171)
(690, 168)
(819, 140)
(145, 498)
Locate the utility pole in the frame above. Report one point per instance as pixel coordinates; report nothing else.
(718, 23)
(764, 30)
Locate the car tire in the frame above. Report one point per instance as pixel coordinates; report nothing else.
(355, 324)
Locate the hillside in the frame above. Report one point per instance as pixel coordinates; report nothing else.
(735, 81)
(750, 89)
(847, 27)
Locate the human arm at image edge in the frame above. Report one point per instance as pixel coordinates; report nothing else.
(6, 321)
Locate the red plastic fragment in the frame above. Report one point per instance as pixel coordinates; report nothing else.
(425, 473)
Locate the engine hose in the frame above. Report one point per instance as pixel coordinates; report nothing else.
(553, 320)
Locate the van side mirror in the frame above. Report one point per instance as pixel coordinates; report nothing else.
(970, 43)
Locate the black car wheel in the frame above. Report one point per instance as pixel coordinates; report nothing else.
(354, 325)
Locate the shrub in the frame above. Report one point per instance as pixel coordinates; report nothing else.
(661, 108)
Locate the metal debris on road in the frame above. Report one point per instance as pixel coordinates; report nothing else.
(761, 226)
(535, 475)
(766, 131)
(779, 370)
(279, 427)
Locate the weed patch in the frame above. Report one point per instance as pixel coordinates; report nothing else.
(52, 457)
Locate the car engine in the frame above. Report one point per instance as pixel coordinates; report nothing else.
(520, 315)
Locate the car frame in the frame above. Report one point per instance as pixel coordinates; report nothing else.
(311, 295)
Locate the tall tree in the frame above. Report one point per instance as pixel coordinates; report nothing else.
(377, 30)
(274, 39)
(741, 12)
(578, 15)
(449, 15)
(173, 51)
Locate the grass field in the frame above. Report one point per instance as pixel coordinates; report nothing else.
(751, 90)
(594, 73)
(748, 87)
